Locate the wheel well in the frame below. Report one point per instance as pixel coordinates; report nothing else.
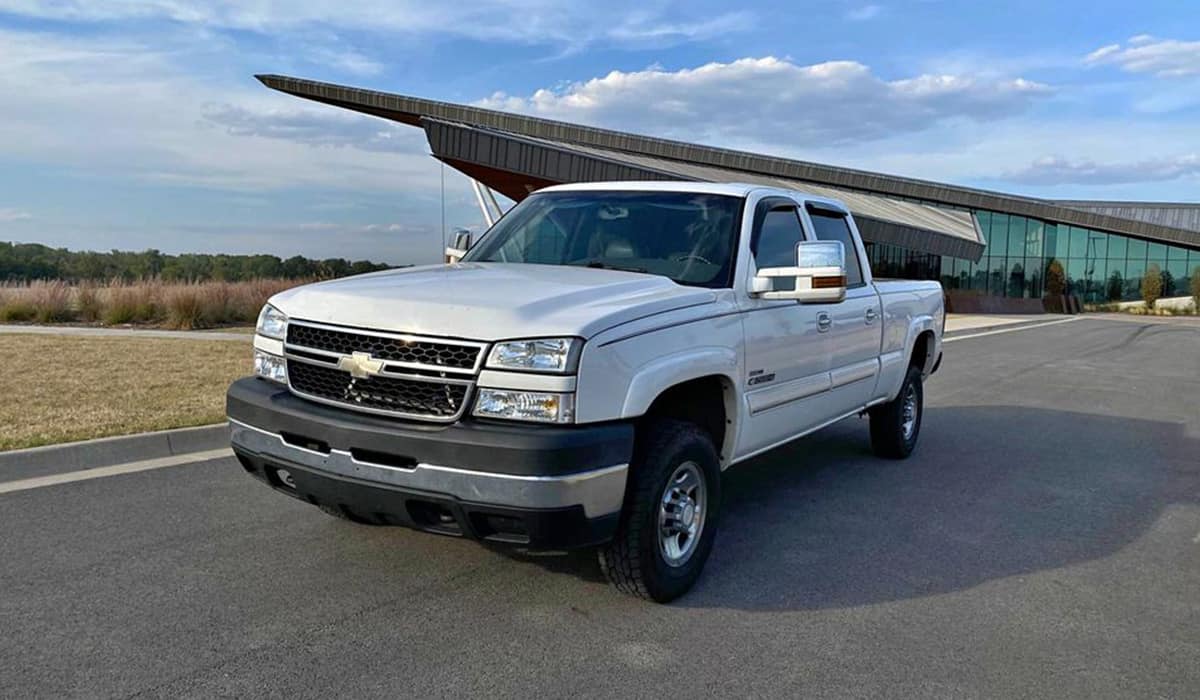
(700, 401)
(921, 349)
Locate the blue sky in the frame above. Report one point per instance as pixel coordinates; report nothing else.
(139, 124)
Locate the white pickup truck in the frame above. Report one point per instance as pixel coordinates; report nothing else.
(583, 374)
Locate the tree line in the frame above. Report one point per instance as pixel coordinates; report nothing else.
(25, 262)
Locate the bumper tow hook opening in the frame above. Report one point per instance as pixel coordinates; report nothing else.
(285, 478)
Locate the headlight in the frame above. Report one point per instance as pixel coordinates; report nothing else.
(272, 323)
(536, 355)
(525, 405)
(270, 366)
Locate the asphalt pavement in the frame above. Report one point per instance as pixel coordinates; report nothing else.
(1044, 541)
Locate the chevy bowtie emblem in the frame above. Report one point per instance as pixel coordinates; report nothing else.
(360, 365)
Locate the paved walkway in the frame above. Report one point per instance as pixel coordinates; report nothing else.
(972, 322)
(243, 336)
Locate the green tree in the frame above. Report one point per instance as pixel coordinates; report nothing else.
(1152, 285)
(23, 262)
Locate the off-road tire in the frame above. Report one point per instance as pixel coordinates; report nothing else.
(888, 436)
(632, 561)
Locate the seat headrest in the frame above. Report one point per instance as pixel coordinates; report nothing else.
(619, 248)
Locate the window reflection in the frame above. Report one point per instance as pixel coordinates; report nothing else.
(1099, 266)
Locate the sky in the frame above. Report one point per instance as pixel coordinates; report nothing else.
(137, 125)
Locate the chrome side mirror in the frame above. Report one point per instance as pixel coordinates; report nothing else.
(462, 243)
(819, 274)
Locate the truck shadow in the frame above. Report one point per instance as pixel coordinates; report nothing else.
(992, 492)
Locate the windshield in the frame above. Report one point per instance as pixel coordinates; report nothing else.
(685, 236)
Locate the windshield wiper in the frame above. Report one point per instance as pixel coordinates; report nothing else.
(599, 265)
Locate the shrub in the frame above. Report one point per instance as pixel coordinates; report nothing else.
(88, 304)
(133, 303)
(51, 301)
(15, 305)
(1152, 285)
(185, 307)
(1196, 289)
(1056, 278)
(217, 298)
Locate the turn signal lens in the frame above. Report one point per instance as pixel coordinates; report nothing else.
(542, 407)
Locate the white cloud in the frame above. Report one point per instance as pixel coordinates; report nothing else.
(122, 108)
(8, 215)
(645, 27)
(324, 127)
(864, 13)
(346, 61)
(1165, 58)
(1053, 170)
(524, 21)
(756, 101)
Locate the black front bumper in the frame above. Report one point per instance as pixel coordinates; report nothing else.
(371, 502)
(377, 449)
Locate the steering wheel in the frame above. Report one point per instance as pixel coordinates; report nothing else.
(693, 256)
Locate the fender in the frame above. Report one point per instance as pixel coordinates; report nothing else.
(665, 372)
(917, 326)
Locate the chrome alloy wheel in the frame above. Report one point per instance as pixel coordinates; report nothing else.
(681, 514)
(909, 412)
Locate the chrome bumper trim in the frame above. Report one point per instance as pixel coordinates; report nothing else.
(600, 491)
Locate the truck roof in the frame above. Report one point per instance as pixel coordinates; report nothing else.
(732, 189)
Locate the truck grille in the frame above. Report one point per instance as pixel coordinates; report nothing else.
(401, 396)
(396, 348)
(421, 378)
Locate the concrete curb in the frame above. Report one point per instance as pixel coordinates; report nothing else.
(1003, 326)
(92, 332)
(104, 452)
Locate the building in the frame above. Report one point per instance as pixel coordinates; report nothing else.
(977, 242)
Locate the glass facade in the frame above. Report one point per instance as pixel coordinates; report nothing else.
(1099, 266)
(889, 261)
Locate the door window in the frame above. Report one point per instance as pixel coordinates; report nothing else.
(775, 244)
(833, 227)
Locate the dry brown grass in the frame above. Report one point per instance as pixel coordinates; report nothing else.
(182, 305)
(64, 388)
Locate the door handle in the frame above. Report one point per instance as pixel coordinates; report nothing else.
(871, 315)
(824, 321)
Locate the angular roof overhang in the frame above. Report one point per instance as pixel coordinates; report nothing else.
(883, 220)
(587, 152)
(1178, 215)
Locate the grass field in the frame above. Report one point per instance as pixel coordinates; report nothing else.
(64, 388)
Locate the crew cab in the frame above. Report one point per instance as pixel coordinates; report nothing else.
(583, 374)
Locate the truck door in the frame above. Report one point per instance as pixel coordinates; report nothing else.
(787, 356)
(856, 334)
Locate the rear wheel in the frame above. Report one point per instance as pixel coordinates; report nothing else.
(896, 425)
(669, 522)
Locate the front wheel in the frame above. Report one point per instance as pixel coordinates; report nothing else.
(895, 425)
(669, 522)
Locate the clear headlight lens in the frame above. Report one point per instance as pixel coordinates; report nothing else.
(272, 323)
(536, 355)
(543, 407)
(270, 366)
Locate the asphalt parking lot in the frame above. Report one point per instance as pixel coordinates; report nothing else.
(1044, 541)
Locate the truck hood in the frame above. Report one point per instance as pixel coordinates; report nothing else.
(490, 301)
